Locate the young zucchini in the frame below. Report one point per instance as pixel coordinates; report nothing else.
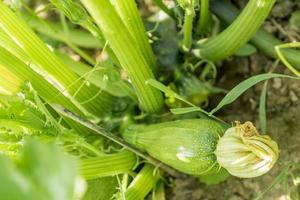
(203, 147)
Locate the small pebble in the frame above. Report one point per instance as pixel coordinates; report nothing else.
(293, 96)
(276, 83)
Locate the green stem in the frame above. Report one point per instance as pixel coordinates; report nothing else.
(108, 165)
(238, 33)
(127, 52)
(159, 193)
(89, 147)
(130, 15)
(53, 30)
(21, 73)
(283, 59)
(80, 52)
(15, 72)
(188, 28)
(204, 17)
(263, 40)
(77, 14)
(164, 8)
(142, 184)
(34, 52)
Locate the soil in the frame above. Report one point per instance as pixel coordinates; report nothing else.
(283, 117)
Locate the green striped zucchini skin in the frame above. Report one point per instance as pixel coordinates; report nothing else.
(186, 145)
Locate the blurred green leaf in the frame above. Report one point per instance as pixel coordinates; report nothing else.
(214, 179)
(43, 172)
(101, 189)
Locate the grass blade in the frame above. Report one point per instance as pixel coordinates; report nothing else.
(277, 180)
(233, 94)
(262, 109)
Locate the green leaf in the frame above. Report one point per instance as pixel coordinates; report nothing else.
(26, 110)
(295, 20)
(101, 189)
(233, 94)
(43, 172)
(180, 111)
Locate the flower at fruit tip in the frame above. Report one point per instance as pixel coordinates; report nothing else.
(244, 153)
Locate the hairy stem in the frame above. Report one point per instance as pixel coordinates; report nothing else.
(127, 52)
(188, 28)
(129, 13)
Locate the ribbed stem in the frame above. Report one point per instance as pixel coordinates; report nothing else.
(7, 43)
(21, 73)
(159, 193)
(129, 13)
(127, 52)
(108, 165)
(51, 94)
(204, 17)
(142, 184)
(238, 33)
(188, 28)
(36, 52)
(263, 40)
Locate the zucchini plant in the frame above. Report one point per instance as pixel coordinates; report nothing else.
(125, 92)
